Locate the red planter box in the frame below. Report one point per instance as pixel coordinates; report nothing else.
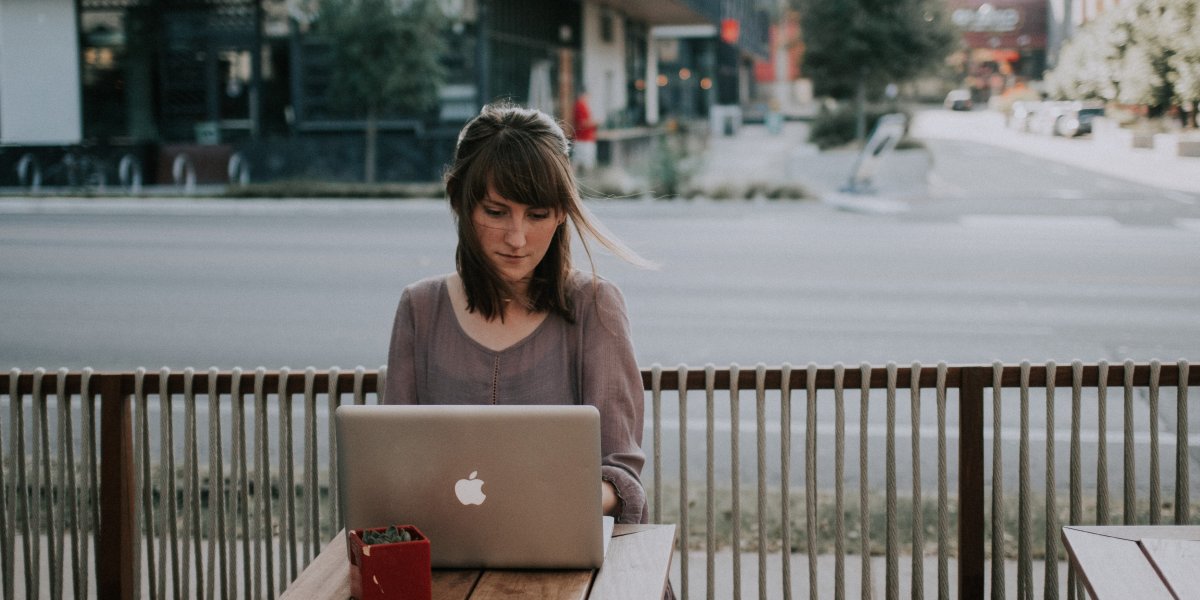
(390, 571)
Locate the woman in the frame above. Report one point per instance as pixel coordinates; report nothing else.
(516, 324)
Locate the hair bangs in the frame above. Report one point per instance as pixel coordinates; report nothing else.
(529, 171)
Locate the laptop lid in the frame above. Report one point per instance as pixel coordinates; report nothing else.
(491, 486)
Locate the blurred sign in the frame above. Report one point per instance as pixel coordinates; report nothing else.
(883, 140)
(987, 18)
(208, 132)
(730, 30)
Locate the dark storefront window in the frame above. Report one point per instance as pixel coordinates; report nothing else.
(104, 67)
(162, 70)
(635, 74)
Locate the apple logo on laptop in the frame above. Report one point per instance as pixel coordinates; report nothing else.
(470, 490)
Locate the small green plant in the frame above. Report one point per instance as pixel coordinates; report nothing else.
(391, 535)
(835, 128)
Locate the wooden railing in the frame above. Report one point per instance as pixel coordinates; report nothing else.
(105, 489)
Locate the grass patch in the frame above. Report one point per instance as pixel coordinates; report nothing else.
(327, 189)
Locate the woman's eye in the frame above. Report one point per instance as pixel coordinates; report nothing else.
(493, 212)
(539, 216)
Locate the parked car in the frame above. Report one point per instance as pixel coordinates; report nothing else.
(1020, 114)
(1063, 118)
(1077, 119)
(958, 100)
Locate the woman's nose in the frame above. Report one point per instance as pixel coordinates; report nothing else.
(515, 235)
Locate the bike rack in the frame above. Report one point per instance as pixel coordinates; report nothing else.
(239, 169)
(129, 173)
(29, 173)
(184, 173)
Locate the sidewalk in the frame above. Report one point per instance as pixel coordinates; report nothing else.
(755, 155)
(1139, 165)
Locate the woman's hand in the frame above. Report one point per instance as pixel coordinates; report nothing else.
(609, 503)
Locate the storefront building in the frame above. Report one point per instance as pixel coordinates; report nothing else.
(1004, 44)
(101, 83)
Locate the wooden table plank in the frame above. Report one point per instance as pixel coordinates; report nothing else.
(328, 576)
(1176, 562)
(636, 566)
(636, 556)
(1113, 568)
(454, 584)
(512, 583)
(1140, 532)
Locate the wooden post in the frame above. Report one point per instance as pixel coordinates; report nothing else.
(118, 529)
(971, 480)
(566, 87)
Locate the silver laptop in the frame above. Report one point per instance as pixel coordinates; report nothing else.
(490, 486)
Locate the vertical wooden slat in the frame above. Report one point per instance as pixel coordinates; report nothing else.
(760, 412)
(335, 400)
(710, 495)
(656, 424)
(192, 549)
(264, 555)
(7, 560)
(918, 521)
(287, 486)
(1155, 484)
(218, 568)
(785, 468)
(997, 525)
(892, 533)
(41, 510)
(168, 559)
(943, 489)
(311, 523)
(1102, 444)
(735, 477)
(1050, 578)
(1024, 541)
(810, 474)
(683, 481)
(1183, 502)
(864, 487)
(145, 517)
(118, 536)
(971, 525)
(839, 470)
(90, 521)
(1129, 504)
(1074, 586)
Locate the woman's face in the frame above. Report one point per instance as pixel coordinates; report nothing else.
(514, 236)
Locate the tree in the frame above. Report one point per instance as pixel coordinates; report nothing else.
(385, 59)
(856, 47)
(1145, 52)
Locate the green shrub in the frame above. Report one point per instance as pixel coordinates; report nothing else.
(833, 128)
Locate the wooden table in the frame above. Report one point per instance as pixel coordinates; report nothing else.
(636, 566)
(1145, 562)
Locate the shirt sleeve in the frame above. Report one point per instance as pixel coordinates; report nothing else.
(401, 385)
(612, 382)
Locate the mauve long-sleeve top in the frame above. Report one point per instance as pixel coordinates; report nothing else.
(432, 360)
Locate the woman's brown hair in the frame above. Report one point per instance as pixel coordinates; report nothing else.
(523, 155)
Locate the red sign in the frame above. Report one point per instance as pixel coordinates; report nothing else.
(730, 29)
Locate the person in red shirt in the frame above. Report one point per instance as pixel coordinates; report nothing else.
(584, 150)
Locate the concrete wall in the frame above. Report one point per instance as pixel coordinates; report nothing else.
(39, 73)
(604, 62)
